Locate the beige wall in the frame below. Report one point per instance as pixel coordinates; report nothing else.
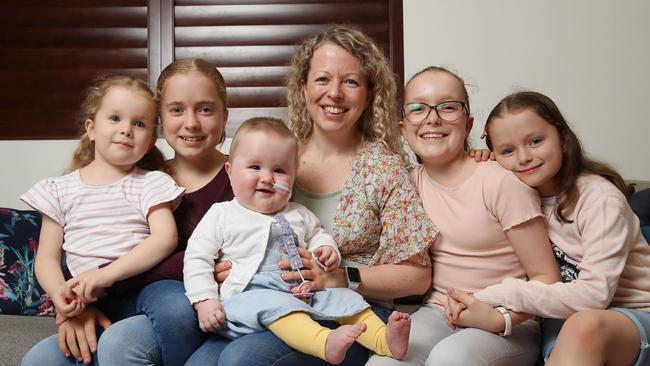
(591, 56)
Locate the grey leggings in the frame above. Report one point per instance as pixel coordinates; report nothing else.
(432, 342)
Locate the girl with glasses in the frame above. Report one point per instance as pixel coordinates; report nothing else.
(491, 228)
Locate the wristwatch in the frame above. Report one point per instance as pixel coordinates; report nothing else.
(353, 277)
(506, 317)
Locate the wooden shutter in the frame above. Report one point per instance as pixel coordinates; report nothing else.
(252, 42)
(52, 50)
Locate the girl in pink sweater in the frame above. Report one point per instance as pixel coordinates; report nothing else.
(604, 259)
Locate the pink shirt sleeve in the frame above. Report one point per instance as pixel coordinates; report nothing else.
(159, 188)
(605, 234)
(512, 201)
(45, 198)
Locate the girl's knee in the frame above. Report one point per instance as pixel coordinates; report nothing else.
(165, 301)
(169, 294)
(449, 357)
(129, 342)
(376, 360)
(46, 352)
(584, 324)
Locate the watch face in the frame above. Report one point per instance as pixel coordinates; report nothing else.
(353, 274)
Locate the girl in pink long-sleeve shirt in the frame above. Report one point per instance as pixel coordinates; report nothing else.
(604, 259)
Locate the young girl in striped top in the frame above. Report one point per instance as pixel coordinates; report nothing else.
(111, 217)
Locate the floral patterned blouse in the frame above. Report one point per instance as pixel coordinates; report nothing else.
(380, 218)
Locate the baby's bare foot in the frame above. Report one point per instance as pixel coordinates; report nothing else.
(397, 333)
(339, 341)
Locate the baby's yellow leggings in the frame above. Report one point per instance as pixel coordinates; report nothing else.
(301, 332)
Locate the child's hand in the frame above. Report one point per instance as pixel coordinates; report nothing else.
(453, 309)
(88, 285)
(326, 256)
(481, 155)
(211, 315)
(477, 313)
(222, 268)
(67, 306)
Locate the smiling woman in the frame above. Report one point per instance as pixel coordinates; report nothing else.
(352, 173)
(336, 91)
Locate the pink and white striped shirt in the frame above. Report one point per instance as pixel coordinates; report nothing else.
(102, 223)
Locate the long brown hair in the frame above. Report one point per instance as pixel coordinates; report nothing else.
(85, 151)
(574, 160)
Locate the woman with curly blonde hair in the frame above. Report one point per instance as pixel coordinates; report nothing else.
(353, 175)
(379, 121)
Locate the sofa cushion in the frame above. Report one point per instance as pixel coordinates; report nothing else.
(20, 293)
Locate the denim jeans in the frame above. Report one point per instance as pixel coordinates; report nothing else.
(129, 342)
(550, 331)
(47, 352)
(264, 348)
(167, 329)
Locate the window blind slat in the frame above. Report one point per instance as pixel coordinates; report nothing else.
(255, 14)
(254, 76)
(81, 15)
(76, 37)
(75, 3)
(257, 97)
(67, 58)
(240, 55)
(258, 2)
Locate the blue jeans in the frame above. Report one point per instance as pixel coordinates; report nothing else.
(270, 350)
(47, 352)
(168, 334)
(550, 331)
(129, 342)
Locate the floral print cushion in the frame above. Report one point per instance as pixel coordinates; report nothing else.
(20, 293)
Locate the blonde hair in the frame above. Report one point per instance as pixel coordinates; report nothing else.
(85, 152)
(379, 121)
(187, 65)
(263, 124)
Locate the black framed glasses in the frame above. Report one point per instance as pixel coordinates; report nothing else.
(450, 111)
